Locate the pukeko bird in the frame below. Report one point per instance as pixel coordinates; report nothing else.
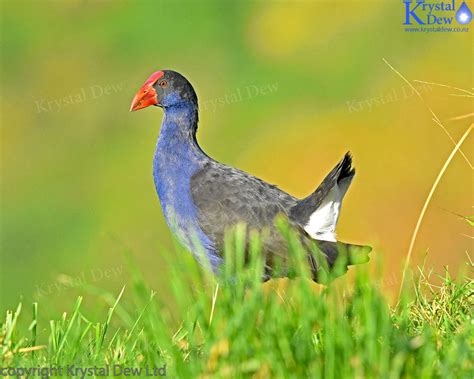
(202, 199)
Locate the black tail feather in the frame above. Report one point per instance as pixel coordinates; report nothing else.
(341, 174)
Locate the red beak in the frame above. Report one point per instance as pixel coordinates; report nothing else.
(147, 96)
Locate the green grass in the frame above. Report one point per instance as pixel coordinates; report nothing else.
(234, 326)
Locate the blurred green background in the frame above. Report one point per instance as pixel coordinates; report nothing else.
(285, 88)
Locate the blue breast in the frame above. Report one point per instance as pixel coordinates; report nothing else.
(177, 158)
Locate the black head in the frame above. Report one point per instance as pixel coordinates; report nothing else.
(166, 89)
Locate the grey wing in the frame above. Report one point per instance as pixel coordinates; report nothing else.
(225, 196)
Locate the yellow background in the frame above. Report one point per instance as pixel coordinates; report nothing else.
(77, 188)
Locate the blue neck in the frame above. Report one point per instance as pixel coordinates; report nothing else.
(177, 158)
(178, 155)
(180, 123)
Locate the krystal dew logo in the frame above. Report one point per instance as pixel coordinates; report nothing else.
(436, 16)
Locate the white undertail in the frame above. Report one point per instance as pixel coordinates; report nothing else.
(322, 223)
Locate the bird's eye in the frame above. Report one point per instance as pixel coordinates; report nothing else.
(163, 83)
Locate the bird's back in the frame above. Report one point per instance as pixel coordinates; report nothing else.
(225, 196)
